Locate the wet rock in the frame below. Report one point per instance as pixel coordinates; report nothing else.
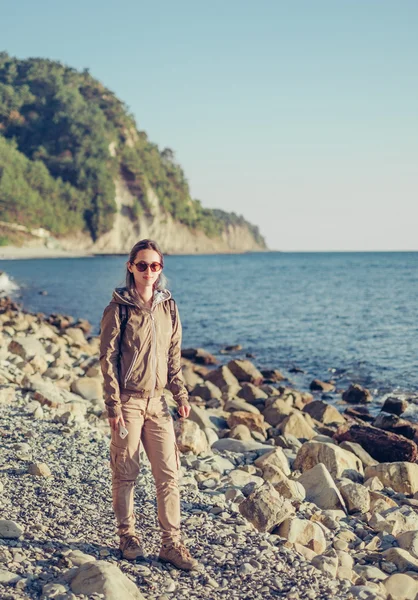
(323, 412)
(320, 488)
(356, 394)
(400, 476)
(189, 436)
(321, 386)
(265, 508)
(339, 462)
(244, 370)
(306, 533)
(394, 405)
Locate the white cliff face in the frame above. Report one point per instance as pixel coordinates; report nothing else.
(172, 236)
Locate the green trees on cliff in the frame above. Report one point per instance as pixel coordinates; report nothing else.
(65, 139)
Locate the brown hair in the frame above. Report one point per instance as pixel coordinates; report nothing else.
(145, 245)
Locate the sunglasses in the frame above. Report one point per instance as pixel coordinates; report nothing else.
(142, 266)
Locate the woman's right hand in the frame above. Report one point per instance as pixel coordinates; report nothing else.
(114, 422)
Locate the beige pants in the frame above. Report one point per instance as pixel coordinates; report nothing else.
(148, 421)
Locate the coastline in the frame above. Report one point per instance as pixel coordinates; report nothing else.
(276, 476)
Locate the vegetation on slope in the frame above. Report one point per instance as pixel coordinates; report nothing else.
(65, 138)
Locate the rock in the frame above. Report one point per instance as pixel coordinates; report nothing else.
(237, 404)
(199, 356)
(79, 558)
(10, 530)
(306, 533)
(222, 376)
(374, 484)
(370, 573)
(39, 364)
(321, 386)
(402, 559)
(189, 436)
(88, 388)
(244, 370)
(191, 378)
(384, 446)
(320, 488)
(277, 411)
(400, 476)
(339, 462)
(101, 577)
(356, 449)
(206, 390)
(272, 375)
(296, 425)
(204, 418)
(379, 502)
(396, 424)
(275, 458)
(53, 590)
(323, 412)
(26, 347)
(394, 405)
(76, 335)
(8, 578)
(356, 394)
(356, 497)
(288, 488)
(240, 478)
(395, 520)
(251, 393)
(326, 564)
(238, 445)
(50, 395)
(252, 421)
(7, 394)
(39, 470)
(265, 508)
(401, 587)
(409, 541)
(240, 432)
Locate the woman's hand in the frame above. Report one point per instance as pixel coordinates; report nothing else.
(184, 411)
(114, 422)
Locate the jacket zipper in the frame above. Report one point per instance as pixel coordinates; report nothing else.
(131, 366)
(154, 354)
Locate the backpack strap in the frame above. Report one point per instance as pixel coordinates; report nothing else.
(124, 317)
(173, 311)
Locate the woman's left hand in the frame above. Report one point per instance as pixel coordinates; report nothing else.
(184, 411)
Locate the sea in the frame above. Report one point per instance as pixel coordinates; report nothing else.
(346, 317)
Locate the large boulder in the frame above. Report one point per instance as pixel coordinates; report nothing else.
(409, 541)
(51, 395)
(234, 404)
(355, 394)
(251, 393)
(88, 388)
(204, 418)
(275, 457)
(323, 412)
(360, 452)
(400, 476)
(339, 462)
(221, 377)
(27, 347)
(288, 488)
(276, 411)
(252, 421)
(190, 438)
(206, 391)
(297, 425)
(265, 508)
(244, 370)
(394, 405)
(356, 497)
(306, 533)
(76, 336)
(395, 520)
(101, 577)
(401, 587)
(403, 560)
(9, 530)
(321, 489)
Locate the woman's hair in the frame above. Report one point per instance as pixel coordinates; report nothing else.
(161, 282)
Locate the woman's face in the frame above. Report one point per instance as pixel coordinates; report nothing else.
(146, 278)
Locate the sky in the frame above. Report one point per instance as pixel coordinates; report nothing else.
(300, 115)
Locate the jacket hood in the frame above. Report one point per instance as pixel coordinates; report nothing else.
(122, 296)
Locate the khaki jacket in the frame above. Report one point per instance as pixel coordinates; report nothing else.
(150, 353)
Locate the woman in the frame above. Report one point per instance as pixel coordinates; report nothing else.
(140, 349)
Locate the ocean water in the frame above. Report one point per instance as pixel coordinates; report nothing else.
(350, 317)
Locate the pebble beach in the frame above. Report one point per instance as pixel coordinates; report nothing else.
(283, 496)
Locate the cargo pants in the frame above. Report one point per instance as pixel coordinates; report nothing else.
(149, 422)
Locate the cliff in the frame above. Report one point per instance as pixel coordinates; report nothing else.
(74, 165)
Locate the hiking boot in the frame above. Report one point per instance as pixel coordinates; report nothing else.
(131, 547)
(179, 556)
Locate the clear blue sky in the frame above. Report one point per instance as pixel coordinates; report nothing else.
(300, 115)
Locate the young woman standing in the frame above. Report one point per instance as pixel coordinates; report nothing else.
(140, 350)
